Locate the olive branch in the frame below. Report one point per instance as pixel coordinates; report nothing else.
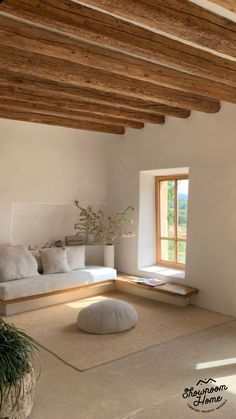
(106, 230)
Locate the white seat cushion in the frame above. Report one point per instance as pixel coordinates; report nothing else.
(54, 282)
(105, 317)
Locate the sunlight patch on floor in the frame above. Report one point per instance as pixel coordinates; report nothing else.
(85, 302)
(214, 364)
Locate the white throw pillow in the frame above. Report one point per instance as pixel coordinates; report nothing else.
(16, 262)
(54, 260)
(37, 256)
(76, 257)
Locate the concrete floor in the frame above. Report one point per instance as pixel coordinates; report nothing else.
(147, 385)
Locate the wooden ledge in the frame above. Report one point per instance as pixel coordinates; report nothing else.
(173, 289)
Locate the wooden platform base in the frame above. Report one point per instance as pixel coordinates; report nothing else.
(167, 293)
(35, 302)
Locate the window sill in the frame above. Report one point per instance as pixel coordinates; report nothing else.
(163, 272)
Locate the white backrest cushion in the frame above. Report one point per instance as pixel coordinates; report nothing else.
(16, 262)
(76, 257)
(54, 260)
(37, 256)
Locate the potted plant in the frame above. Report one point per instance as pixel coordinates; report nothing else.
(106, 230)
(17, 373)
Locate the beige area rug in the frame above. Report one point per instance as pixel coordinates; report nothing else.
(55, 329)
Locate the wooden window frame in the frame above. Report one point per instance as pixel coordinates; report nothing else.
(158, 179)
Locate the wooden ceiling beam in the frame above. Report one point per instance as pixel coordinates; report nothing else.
(8, 113)
(91, 25)
(26, 37)
(68, 106)
(180, 18)
(38, 108)
(12, 59)
(14, 84)
(226, 4)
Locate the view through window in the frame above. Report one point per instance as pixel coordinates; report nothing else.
(172, 210)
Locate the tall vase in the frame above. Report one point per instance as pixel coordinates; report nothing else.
(109, 255)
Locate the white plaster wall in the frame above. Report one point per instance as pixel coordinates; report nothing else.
(43, 169)
(207, 145)
(48, 167)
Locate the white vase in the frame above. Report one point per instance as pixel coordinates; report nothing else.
(109, 255)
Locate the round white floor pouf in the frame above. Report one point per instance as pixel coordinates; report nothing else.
(108, 316)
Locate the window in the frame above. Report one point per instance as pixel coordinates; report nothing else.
(171, 209)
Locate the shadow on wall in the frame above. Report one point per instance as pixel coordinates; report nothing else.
(40, 223)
